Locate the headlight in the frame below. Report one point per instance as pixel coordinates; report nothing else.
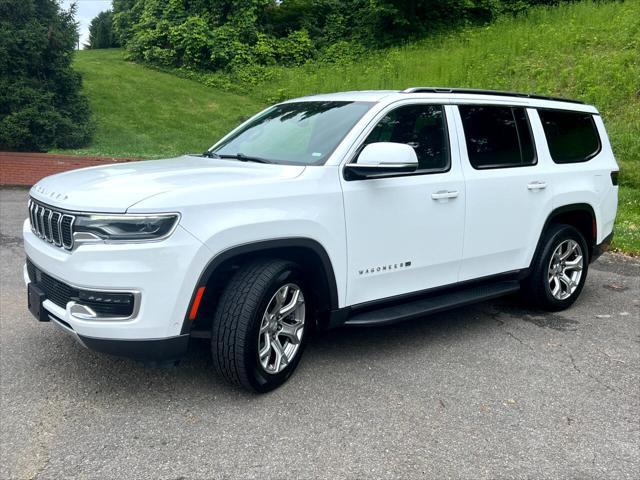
(125, 228)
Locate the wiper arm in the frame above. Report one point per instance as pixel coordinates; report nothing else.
(210, 154)
(246, 158)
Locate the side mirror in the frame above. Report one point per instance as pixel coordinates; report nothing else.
(380, 159)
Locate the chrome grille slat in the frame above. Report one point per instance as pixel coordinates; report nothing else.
(51, 225)
(41, 221)
(36, 213)
(31, 216)
(47, 225)
(67, 231)
(55, 228)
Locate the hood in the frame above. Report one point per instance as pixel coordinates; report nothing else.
(115, 188)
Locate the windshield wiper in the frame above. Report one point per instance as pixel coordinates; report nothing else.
(245, 158)
(210, 154)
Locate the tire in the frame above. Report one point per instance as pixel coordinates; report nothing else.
(245, 322)
(544, 291)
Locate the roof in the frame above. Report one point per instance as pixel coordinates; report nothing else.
(496, 93)
(354, 96)
(451, 95)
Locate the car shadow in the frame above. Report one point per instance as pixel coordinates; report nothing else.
(109, 378)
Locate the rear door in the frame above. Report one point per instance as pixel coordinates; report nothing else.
(508, 188)
(404, 232)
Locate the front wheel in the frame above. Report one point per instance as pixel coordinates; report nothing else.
(261, 323)
(559, 271)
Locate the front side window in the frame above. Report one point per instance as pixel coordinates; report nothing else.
(572, 136)
(422, 127)
(299, 133)
(497, 137)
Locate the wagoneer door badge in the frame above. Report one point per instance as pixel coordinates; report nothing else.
(384, 268)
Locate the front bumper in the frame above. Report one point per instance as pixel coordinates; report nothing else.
(162, 274)
(147, 351)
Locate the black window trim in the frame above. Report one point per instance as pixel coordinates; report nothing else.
(511, 106)
(374, 122)
(597, 152)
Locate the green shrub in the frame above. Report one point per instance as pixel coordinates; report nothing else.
(40, 102)
(233, 34)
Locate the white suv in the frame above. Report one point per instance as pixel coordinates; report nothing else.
(357, 208)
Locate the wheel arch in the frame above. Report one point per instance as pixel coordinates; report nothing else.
(308, 253)
(580, 216)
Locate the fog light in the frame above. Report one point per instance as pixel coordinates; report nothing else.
(102, 297)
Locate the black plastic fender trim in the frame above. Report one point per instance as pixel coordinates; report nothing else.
(265, 246)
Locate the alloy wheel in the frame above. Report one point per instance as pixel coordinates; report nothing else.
(565, 269)
(281, 328)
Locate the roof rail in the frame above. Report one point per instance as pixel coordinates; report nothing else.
(478, 91)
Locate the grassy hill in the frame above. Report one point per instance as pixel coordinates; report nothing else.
(145, 113)
(589, 51)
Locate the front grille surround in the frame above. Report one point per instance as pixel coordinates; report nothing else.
(52, 225)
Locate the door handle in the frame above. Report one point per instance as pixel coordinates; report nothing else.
(537, 185)
(442, 194)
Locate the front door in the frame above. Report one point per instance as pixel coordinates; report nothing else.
(405, 231)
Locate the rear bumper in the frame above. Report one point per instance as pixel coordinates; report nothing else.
(602, 247)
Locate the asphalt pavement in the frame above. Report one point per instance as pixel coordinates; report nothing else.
(494, 390)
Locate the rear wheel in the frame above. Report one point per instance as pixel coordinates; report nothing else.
(261, 323)
(559, 271)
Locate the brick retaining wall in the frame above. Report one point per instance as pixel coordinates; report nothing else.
(27, 168)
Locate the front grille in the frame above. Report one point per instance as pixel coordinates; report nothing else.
(104, 304)
(58, 292)
(51, 225)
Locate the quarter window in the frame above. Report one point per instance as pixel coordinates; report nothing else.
(497, 137)
(422, 127)
(572, 136)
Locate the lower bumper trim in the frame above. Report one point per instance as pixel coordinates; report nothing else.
(148, 351)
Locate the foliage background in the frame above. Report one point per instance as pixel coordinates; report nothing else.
(582, 50)
(40, 102)
(236, 34)
(101, 34)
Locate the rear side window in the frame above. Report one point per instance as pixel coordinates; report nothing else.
(497, 137)
(572, 136)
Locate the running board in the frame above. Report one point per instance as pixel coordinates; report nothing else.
(433, 304)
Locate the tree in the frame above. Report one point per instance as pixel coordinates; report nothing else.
(41, 106)
(234, 35)
(101, 34)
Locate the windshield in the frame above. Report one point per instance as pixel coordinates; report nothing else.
(300, 133)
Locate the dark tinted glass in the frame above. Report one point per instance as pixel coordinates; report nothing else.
(497, 136)
(572, 136)
(422, 127)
